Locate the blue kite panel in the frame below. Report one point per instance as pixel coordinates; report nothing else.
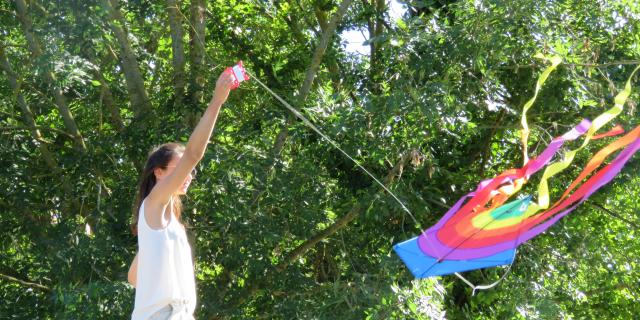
(424, 266)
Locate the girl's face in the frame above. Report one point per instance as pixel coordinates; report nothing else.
(163, 173)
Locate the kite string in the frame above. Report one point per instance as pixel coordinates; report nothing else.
(334, 144)
(475, 288)
(309, 124)
(487, 286)
(525, 134)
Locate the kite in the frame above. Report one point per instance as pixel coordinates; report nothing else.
(481, 230)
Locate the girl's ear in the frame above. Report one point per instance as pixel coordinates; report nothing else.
(158, 172)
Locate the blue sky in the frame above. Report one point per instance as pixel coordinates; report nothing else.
(355, 38)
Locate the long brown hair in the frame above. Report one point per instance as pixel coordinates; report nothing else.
(159, 157)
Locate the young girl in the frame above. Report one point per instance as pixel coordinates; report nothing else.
(162, 271)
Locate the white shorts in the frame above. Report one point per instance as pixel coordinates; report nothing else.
(176, 310)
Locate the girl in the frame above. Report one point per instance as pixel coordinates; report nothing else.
(162, 271)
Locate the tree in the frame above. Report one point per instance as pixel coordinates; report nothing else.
(282, 224)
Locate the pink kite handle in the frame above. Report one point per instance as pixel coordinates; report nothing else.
(238, 73)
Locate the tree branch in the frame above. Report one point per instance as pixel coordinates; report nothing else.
(135, 84)
(609, 289)
(323, 234)
(27, 116)
(318, 54)
(60, 99)
(614, 214)
(587, 65)
(25, 283)
(342, 222)
(37, 136)
(253, 287)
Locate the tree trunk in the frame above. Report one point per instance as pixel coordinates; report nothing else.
(318, 54)
(197, 50)
(334, 69)
(177, 48)
(60, 100)
(379, 19)
(375, 26)
(196, 57)
(371, 27)
(140, 102)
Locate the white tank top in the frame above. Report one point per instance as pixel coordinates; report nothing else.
(165, 269)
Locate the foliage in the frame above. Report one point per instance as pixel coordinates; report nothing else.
(447, 81)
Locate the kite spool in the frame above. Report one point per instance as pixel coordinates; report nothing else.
(238, 73)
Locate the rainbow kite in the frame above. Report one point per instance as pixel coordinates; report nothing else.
(481, 230)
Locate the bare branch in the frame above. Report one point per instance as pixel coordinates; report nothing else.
(25, 283)
(396, 171)
(614, 214)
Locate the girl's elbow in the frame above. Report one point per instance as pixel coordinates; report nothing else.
(132, 275)
(131, 278)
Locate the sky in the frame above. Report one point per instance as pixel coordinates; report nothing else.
(355, 38)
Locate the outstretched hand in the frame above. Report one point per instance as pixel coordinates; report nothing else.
(223, 86)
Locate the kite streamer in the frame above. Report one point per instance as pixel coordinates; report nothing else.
(467, 244)
(555, 61)
(481, 231)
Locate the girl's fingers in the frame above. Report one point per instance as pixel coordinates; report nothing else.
(226, 78)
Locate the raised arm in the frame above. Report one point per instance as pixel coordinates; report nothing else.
(194, 150)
